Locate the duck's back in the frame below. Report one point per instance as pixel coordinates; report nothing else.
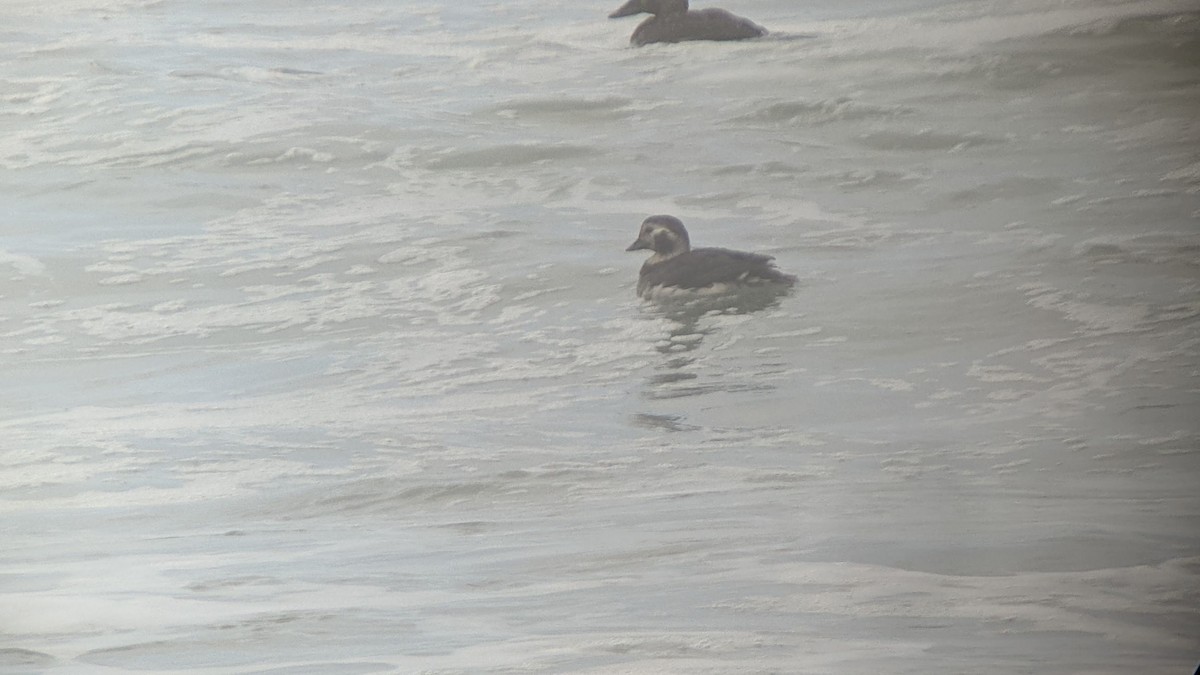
(718, 24)
(704, 268)
(700, 24)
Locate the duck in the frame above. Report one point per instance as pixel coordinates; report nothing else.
(677, 269)
(672, 21)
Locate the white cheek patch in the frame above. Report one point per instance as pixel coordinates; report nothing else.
(657, 234)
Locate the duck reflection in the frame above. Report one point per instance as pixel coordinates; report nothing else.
(689, 324)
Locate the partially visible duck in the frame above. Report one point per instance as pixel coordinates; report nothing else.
(673, 22)
(677, 268)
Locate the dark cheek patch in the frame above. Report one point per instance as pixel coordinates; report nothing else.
(662, 241)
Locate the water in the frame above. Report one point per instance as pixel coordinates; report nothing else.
(321, 352)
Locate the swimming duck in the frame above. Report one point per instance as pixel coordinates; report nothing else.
(673, 22)
(677, 268)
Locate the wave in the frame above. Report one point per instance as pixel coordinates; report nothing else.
(925, 140)
(512, 154)
(819, 111)
(580, 109)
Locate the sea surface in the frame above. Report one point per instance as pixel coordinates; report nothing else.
(320, 352)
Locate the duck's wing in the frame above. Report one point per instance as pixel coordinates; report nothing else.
(698, 24)
(704, 267)
(718, 24)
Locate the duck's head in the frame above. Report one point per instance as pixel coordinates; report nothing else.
(664, 235)
(659, 7)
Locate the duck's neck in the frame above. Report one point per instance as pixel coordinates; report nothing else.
(662, 256)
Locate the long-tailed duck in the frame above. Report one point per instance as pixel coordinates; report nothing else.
(673, 22)
(676, 268)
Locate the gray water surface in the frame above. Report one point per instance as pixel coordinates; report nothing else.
(319, 351)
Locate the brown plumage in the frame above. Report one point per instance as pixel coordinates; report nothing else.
(676, 266)
(672, 21)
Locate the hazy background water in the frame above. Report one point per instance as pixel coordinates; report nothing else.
(320, 351)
